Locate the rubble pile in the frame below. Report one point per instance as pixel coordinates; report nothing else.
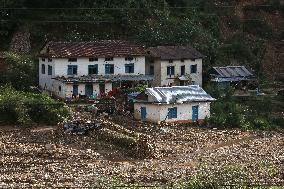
(48, 157)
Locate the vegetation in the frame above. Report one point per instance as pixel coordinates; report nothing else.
(251, 114)
(26, 109)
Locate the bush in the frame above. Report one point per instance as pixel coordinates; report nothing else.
(28, 108)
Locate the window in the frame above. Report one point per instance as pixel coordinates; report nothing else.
(182, 70)
(182, 60)
(129, 58)
(43, 68)
(129, 68)
(43, 59)
(152, 70)
(93, 69)
(49, 60)
(72, 60)
(72, 70)
(109, 59)
(49, 70)
(59, 88)
(170, 70)
(193, 68)
(172, 113)
(192, 82)
(192, 59)
(170, 61)
(109, 69)
(93, 59)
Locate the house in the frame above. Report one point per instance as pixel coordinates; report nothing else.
(88, 68)
(175, 65)
(238, 76)
(173, 104)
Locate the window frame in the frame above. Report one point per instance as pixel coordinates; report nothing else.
(152, 70)
(172, 113)
(72, 60)
(129, 68)
(95, 67)
(42, 68)
(193, 69)
(49, 70)
(108, 58)
(93, 59)
(108, 68)
(73, 68)
(182, 70)
(170, 70)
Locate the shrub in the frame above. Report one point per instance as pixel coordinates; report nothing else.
(26, 108)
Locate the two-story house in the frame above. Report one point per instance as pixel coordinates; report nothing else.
(73, 68)
(175, 65)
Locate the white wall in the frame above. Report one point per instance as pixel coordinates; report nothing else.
(166, 80)
(159, 112)
(61, 65)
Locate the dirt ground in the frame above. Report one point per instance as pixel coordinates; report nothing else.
(46, 157)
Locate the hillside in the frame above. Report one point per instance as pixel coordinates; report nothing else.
(248, 32)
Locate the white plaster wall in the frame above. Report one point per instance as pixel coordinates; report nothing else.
(159, 112)
(45, 79)
(108, 87)
(61, 65)
(166, 80)
(152, 112)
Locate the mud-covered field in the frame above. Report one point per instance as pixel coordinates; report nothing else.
(46, 157)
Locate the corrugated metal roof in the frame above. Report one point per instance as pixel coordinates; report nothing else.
(175, 52)
(102, 48)
(232, 71)
(178, 94)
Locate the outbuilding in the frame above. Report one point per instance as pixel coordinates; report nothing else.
(173, 104)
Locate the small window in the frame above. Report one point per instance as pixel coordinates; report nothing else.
(170, 70)
(109, 59)
(193, 68)
(109, 69)
(72, 60)
(152, 70)
(59, 88)
(72, 70)
(93, 69)
(49, 60)
(49, 70)
(192, 59)
(130, 58)
(172, 113)
(170, 61)
(43, 68)
(43, 59)
(182, 60)
(93, 59)
(192, 82)
(129, 68)
(182, 70)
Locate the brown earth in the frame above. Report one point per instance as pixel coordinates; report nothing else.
(46, 157)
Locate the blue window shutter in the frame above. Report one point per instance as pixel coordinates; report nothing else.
(168, 70)
(69, 70)
(107, 69)
(75, 70)
(126, 68)
(174, 113)
(49, 70)
(97, 69)
(43, 68)
(173, 70)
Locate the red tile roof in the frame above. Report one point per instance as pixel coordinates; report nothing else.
(174, 52)
(103, 48)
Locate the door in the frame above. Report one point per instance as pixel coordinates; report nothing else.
(88, 90)
(75, 90)
(102, 87)
(143, 113)
(194, 113)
